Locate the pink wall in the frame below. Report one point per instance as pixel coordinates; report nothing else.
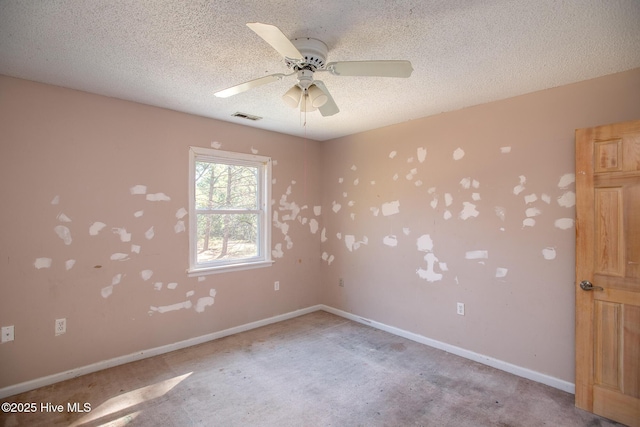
(87, 151)
(506, 238)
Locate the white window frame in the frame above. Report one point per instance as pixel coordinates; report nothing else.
(263, 208)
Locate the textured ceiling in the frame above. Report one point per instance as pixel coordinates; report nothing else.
(176, 54)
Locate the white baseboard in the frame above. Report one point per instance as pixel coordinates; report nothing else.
(495, 363)
(73, 373)
(467, 354)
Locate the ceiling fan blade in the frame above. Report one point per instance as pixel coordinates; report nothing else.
(371, 68)
(272, 35)
(234, 90)
(329, 108)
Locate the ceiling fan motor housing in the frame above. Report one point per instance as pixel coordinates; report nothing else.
(314, 53)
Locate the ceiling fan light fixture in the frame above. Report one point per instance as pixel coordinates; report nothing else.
(292, 96)
(317, 97)
(306, 106)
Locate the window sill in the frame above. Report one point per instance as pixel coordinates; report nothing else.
(228, 268)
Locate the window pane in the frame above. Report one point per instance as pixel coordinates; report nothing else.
(220, 186)
(227, 237)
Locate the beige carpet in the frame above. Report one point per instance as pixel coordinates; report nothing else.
(314, 370)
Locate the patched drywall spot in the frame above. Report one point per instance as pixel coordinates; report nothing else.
(549, 253)
(546, 198)
(201, 279)
(374, 210)
(138, 214)
(254, 150)
(138, 189)
(528, 222)
(531, 212)
(458, 154)
(501, 272)
(422, 154)
(63, 218)
(412, 173)
(205, 302)
(481, 254)
(335, 206)
(505, 150)
(115, 280)
(465, 183)
(406, 231)
(172, 307)
(146, 274)
(150, 233)
(96, 227)
(157, 286)
(317, 210)
(42, 263)
(68, 265)
(567, 200)
(352, 244)
(520, 187)
(395, 177)
(119, 256)
(410, 160)
(349, 240)
(323, 235)
(468, 211)
(424, 243)
(313, 226)
(190, 294)
(340, 180)
(354, 168)
(158, 197)
(106, 291)
(475, 196)
(63, 233)
(500, 212)
(172, 285)
(448, 199)
(566, 180)
(55, 200)
(135, 249)
(180, 213)
(390, 240)
(179, 227)
(393, 154)
(564, 223)
(447, 214)
(216, 145)
(277, 251)
(528, 199)
(122, 232)
(391, 208)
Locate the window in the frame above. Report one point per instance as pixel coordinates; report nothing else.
(229, 211)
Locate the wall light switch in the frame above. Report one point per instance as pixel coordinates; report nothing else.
(8, 333)
(276, 286)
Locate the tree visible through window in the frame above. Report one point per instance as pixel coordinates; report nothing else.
(229, 210)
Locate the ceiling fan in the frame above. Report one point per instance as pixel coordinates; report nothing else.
(306, 56)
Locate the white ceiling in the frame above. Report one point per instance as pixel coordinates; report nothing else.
(176, 54)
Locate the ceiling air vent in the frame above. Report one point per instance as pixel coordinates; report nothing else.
(246, 116)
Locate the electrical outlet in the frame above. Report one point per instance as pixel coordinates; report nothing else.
(460, 309)
(61, 326)
(276, 285)
(341, 282)
(7, 333)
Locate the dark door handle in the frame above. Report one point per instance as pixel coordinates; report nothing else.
(588, 286)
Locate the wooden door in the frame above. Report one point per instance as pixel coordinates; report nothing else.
(608, 259)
